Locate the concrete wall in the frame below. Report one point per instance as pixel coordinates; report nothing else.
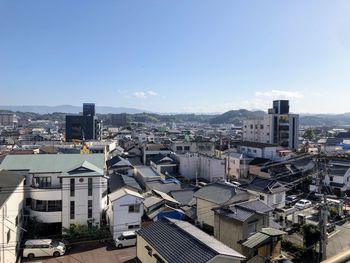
(119, 215)
(81, 200)
(205, 215)
(11, 209)
(230, 231)
(208, 168)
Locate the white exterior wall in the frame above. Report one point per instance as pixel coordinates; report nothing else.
(258, 130)
(119, 216)
(11, 209)
(277, 200)
(189, 165)
(211, 169)
(81, 200)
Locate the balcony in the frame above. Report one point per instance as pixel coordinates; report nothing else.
(46, 193)
(47, 217)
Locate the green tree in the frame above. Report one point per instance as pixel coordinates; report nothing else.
(309, 134)
(311, 234)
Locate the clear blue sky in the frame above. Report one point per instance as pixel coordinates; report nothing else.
(176, 55)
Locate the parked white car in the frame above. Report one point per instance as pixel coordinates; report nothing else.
(303, 204)
(126, 239)
(43, 248)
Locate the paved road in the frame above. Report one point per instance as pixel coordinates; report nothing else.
(92, 254)
(339, 240)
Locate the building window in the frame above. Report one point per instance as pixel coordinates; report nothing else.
(187, 148)
(89, 208)
(28, 201)
(72, 209)
(252, 228)
(90, 186)
(8, 236)
(43, 182)
(72, 187)
(89, 224)
(16, 221)
(134, 208)
(149, 250)
(331, 179)
(262, 198)
(261, 126)
(133, 226)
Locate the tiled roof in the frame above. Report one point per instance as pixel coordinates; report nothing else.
(183, 196)
(117, 181)
(255, 205)
(264, 185)
(218, 193)
(179, 242)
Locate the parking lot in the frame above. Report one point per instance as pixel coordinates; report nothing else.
(92, 253)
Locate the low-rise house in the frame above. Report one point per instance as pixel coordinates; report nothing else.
(150, 150)
(271, 192)
(124, 211)
(237, 165)
(165, 164)
(264, 245)
(117, 181)
(120, 165)
(213, 196)
(243, 219)
(11, 215)
(150, 179)
(338, 176)
(174, 241)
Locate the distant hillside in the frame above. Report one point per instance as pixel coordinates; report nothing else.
(68, 109)
(325, 120)
(236, 116)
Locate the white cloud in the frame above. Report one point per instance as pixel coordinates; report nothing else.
(152, 93)
(140, 94)
(279, 94)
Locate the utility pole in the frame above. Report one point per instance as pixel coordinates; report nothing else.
(323, 212)
(228, 162)
(323, 229)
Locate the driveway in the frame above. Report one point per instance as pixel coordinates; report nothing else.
(92, 253)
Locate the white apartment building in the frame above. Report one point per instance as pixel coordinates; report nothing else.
(194, 166)
(62, 189)
(277, 127)
(124, 211)
(11, 215)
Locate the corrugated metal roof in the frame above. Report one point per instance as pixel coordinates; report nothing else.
(179, 242)
(255, 240)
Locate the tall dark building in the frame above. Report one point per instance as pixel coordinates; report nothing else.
(118, 120)
(88, 109)
(280, 107)
(83, 127)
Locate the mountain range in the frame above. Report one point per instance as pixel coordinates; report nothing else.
(233, 117)
(68, 109)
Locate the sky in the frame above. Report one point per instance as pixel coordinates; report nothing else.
(177, 55)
